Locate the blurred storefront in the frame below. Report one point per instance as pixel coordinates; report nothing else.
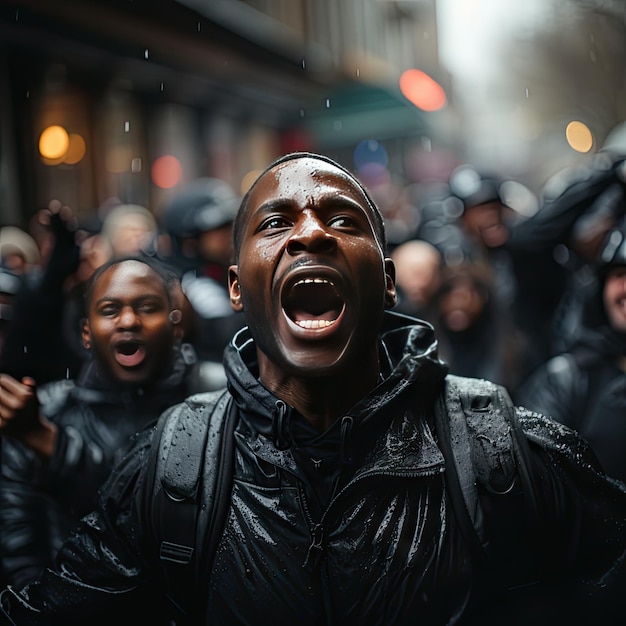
(127, 99)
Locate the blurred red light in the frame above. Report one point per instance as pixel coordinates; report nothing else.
(167, 172)
(421, 90)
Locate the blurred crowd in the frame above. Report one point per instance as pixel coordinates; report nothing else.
(44, 272)
(505, 290)
(535, 302)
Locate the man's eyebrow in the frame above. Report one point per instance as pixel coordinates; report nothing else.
(343, 200)
(141, 298)
(324, 201)
(276, 204)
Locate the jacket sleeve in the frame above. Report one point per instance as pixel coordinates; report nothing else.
(25, 516)
(581, 522)
(100, 568)
(78, 466)
(557, 389)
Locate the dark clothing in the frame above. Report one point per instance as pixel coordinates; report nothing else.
(585, 389)
(371, 541)
(36, 343)
(545, 308)
(491, 348)
(41, 501)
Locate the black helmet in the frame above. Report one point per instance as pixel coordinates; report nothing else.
(202, 205)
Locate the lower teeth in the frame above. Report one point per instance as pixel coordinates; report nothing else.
(310, 324)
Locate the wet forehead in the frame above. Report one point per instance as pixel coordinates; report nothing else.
(306, 182)
(118, 279)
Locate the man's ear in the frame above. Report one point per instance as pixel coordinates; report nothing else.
(85, 333)
(176, 318)
(234, 288)
(390, 283)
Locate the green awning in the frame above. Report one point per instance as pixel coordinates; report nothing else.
(358, 111)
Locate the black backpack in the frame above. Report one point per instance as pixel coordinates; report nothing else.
(193, 464)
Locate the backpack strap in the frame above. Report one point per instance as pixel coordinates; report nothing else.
(190, 459)
(482, 443)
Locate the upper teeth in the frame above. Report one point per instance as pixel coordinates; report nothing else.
(313, 324)
(308, 281)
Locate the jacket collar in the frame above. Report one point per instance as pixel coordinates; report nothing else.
(384, 422)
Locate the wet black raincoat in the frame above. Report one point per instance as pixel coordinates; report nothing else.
(42, 501)
(352, 526)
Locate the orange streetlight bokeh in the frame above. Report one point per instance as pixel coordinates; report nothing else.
(53, 142)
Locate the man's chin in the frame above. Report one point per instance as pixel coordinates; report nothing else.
(132, 378)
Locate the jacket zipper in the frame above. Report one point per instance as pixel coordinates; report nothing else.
(317, 529)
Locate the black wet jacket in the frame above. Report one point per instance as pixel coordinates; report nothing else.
(585, 388)
(352, 526)
(41, 501)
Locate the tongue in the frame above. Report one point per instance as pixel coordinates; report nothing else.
(131, 360)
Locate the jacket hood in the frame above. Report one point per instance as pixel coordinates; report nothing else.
(409, 364)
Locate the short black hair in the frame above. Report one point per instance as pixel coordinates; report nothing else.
(164, 271)
(378, 217)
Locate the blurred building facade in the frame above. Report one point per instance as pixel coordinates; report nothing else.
(129, 98)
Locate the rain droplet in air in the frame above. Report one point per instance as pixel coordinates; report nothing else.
(145, 53)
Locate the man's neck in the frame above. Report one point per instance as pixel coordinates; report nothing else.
(322, 400)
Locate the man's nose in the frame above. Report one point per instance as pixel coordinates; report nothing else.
(310, 234)
(128, 317)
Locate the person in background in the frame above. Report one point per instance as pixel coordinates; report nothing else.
(9, 286)
(339, 510)
(44, 338)
(130, 229)
(477, 336)
(35, 345)
(419, 266)
(60, 440)
(198, 220)
(589, 202)
(18, 251)
(585, 387)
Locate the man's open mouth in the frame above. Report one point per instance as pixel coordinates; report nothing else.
(313, 303)
(130, 353)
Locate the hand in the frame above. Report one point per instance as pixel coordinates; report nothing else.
(62, 224)
(21, 418)
(19, 407)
